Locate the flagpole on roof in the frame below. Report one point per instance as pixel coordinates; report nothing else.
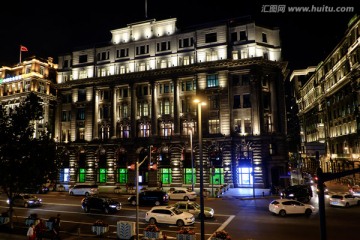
(20, 54)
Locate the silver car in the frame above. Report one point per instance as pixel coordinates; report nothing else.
(193, 208)
(26, 200)
(84, 190)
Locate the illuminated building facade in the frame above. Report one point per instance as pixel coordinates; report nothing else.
(118, 100)
(328, 99)
(32, 75)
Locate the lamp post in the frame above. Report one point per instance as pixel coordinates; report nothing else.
(202, 225)
(137, 194)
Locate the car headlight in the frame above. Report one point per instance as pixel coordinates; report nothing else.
(112, 205)
(8, 201)
(31, 201)
(291, 195)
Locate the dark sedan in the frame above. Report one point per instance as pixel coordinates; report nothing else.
(100, 203)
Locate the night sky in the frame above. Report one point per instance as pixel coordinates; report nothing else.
(49, 29)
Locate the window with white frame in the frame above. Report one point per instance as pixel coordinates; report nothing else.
(188, 127)
(212, 80)
(214, 126)
(166, 129)
(144, 129)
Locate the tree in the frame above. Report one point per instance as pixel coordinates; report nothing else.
(25, 161)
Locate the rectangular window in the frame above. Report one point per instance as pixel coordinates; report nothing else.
(243, 36)
(165, 175)
(163, 46)
(66, 63)
(214, 102)
(189, 176)
(237, 103)
(264, 37)
(81, 95)
(214, 126)
(246, 101)
(237, 125)
(102, 175)
(80, 114)
(233, 36)
(217, 176)
(122, 175)
(83, 59)
(124, 52)
(247, 126)
(212, 80)
(63, 116)
(211, 37)
(142, 50)
(82, 175)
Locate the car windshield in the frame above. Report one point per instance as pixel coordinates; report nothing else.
(28, 196)
(195, 204)
(177, 212)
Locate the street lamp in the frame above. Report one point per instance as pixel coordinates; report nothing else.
(137, 193)
(202, 225)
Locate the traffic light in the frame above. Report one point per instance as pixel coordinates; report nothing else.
(153, 155)
(131, 167)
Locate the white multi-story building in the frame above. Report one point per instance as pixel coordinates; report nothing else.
(119, 99)
(328, 98)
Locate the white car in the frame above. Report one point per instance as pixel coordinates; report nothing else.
(84, 190)
(284, 207)
(182, 194)
(194, 208)
(344, 200)
(169, 215)
(355, 190)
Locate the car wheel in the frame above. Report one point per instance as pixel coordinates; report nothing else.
(133, 202)
(347, 205)
(186, 198)
(26, 205)
(87, 194)
(152, 221)
(308, 212)
(106, 210)
(71, 193)
(157, 203)
(180, 223)
(282, 213)
(86, 209)
(358, 203)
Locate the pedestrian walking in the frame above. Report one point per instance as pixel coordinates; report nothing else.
(31, 235)
(40, 229)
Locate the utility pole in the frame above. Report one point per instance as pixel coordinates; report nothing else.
(137, 194)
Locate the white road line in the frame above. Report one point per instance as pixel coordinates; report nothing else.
(224, 224)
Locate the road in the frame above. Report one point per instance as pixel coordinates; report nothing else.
(244, 219)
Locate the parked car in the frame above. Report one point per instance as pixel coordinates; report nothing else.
(150, 197)
(36, 190)
(344, 200)
(302, 193)
(182, 194)
(83, 189)
(193, 208)
(355, 190)
(326, 190)
(100, 203)
(284, 207)
(26, 200)
(169, 215)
